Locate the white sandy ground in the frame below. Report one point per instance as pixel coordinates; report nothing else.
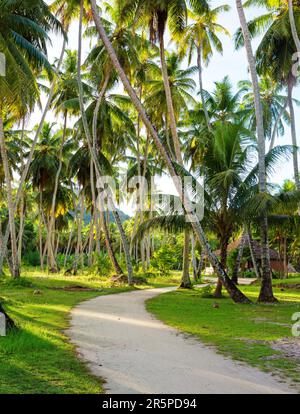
(135, 353)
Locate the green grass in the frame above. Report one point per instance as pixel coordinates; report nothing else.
(240, 331)
(39, 358)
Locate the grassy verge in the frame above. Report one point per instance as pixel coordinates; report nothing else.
(244, 332)
(39, 358)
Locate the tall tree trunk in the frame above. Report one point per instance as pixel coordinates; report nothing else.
(291, 83)
(40, 233)
(32, 149)
(194, 259)
(252, 253)
(22, 205)
(15, 270)
(108, 243)
(53, 265)
(237, 264)
(200, 70)
(285, 259)
(266, 293)
(186, 281)
(169, 99)
(94, 155)
(293, 26)
(234, 292)
(224, 246)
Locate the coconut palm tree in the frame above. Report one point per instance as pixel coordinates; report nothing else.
(275, 54)
(201, 36)
(235, 293)
(24, 27)
(266, 293)
(274, 103)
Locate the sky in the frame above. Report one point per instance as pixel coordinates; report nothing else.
(232, 63)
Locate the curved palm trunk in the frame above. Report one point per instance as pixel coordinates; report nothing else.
(94, 156)
(15, 268)
(278, 119)
(169, 99)
(32, 149)
(108, 244)
(186, 281)
(266, 292)
(234, 292)
(200, 70)
(293, 26)
(293, 131)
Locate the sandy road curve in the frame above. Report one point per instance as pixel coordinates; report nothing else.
(135, 353)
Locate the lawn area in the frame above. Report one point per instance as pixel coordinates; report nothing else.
(244, 332)
(39, 358)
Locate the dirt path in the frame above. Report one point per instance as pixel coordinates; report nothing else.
(135, 353)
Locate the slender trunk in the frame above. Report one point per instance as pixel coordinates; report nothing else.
(293, 26)
(108, 244)
(266, 293)
(169, 99)
(54, 268)
(22, 205)
(40, 233)
(32, 149)
(200, 70)
(280, 115)
(293, 131)
(253, 258)
(237, 264)
(234, 292)
(94, 156)
(224, 245)
(285, 258)
(91, 240)
(186, 281)
(11, 216)
(201, 262)
(68, 246)
(194, 259)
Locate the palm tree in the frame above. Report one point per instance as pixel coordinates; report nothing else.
(274, 104)
(93, 152)
(275, 55)
(23, 40)
(235, 293)
(43, 168)
(201, 36)
(266, 293)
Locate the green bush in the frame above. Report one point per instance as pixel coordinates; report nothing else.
(163, 260)
(103, 264)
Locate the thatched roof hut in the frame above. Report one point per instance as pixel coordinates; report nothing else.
(277, 264)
